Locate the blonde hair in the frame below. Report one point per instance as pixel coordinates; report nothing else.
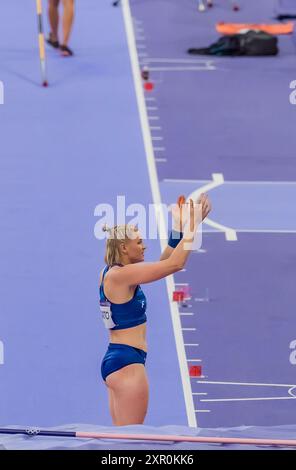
(117, 235)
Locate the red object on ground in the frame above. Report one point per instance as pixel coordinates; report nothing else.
(148, 86)
(195, 371)
(178, 296)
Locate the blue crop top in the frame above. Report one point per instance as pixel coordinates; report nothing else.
(126, 315)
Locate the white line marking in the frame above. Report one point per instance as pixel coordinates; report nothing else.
(152, 108)
(202, 411)
(251, 384)
(161, 160)
(230, 233)
(150, 98)
(264, 231)
(182, 284)
(204, 230)
(246, 399)
(194, 360)
(156, 128)
(172, 180)
(153, 118)
(199, 393)
(191, 344)
(157, 201)
(262, 182)
(189, 329)
(187, 68)
(179, 61)
(157, 138)
(159, 149)
(218, 179)
(186, 314)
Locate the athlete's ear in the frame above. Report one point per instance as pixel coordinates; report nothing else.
(123, 248)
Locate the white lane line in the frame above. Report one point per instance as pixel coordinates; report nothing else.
(202, 411)
(153, 118)
(199, 393)
(172, 180)
(230, 233)
(192, 422)
(156, 128)
(251, 384)
(169, 60)
(194, 360)
(246, 399)
(186, 314)
(191, 344)
(218, 180)
(189, 329)
(182, 284)
(188, 68)
(157, 138)
(159, 149)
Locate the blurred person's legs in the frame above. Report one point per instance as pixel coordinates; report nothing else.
(68, 18)
(53, 15)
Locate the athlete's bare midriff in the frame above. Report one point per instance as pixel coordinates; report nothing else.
(135, 336)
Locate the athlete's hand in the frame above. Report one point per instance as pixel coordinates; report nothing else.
(180, 214)
(206, 205)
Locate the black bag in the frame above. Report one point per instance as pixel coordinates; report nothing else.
(252, 43)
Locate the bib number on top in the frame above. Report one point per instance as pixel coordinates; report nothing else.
(105, 308)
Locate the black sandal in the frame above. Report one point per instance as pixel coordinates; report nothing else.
(66, 51)
(51, 42)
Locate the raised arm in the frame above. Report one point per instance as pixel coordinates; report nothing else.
(141, 273)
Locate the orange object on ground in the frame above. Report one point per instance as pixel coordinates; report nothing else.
(181, 200)
(235, 28)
